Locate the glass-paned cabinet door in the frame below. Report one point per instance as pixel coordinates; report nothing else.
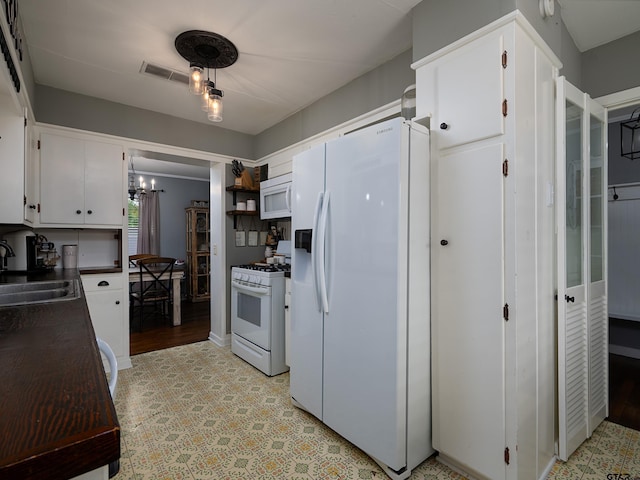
(574, 195)
(597, 187)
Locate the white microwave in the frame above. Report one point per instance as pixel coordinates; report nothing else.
(275, 197)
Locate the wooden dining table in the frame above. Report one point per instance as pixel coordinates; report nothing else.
(178, 274)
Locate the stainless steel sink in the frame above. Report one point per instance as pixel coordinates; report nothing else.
(12, 294)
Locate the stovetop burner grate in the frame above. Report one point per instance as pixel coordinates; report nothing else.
(283, 267)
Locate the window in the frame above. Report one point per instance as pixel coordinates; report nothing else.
(133, 219)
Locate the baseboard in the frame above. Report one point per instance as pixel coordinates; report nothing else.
(220, 341)
(624, 351)
(547, 470)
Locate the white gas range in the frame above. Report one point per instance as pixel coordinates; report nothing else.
(257, 316)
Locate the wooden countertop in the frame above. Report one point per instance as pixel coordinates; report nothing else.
(57, 419)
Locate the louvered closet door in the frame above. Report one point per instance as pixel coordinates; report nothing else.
(582, 312)
(597, 291)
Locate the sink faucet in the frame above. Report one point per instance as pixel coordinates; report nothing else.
(8, 252)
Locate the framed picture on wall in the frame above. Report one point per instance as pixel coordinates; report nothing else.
(253, 238)
(241, 238)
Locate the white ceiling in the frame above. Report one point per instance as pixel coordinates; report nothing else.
(291, 52)
(592, 23)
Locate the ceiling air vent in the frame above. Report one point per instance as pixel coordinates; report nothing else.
(164, 73)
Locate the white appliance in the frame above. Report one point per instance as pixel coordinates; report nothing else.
(275, 197)
(360, 335)
(257, 316)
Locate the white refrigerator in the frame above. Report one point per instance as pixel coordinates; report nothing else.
(360, 331)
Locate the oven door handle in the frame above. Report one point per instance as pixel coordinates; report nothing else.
(247, 288)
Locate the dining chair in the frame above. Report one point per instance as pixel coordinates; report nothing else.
(155, 287)
(133, 259)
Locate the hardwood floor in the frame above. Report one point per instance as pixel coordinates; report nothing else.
(624, 391)
(157, 334)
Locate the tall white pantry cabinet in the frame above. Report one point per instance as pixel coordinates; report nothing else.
(489, 99)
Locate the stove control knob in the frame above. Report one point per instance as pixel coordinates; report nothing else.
(254, 279)
(245, 277)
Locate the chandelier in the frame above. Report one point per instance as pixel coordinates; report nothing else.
(206, 50)
(134, 190)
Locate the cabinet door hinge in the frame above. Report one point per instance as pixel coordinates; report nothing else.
(504, 59)
(25, 200)
(25, 122)
(506, 455)
(123, 214)
(38, 144)
(504, 107)
(505, 167)
(505, 312)
(123, 156)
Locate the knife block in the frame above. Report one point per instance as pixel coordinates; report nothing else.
(245, 180)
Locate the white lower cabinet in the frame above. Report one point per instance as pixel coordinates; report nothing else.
(490, 101)
(107, 301)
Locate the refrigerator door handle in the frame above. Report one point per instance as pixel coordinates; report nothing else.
(322, 253)
(287, 197)
(314, 249)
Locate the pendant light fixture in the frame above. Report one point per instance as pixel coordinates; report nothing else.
(211, 51)
(630, 136)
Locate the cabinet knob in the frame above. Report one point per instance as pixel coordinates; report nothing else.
(117, 302)
(32, 207)
(89, 212)
(569, 299)
(78, 212)
(444, 242)
(443, 126)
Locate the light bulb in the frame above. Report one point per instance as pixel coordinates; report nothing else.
(215, 108)
(196, 80)
(205, 100)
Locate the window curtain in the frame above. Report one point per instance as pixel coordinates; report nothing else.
(149, 224)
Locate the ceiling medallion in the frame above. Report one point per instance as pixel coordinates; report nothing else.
(207, 49)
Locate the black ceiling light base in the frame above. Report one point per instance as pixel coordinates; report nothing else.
(206, 49)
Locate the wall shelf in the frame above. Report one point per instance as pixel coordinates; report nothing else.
(235, 189)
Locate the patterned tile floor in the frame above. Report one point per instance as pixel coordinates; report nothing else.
(199, 412)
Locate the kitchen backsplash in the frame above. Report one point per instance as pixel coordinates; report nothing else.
(96, 247)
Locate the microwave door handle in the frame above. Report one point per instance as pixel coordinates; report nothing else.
(247, 288)
(314, 250)
(322, 254)
(287, 197)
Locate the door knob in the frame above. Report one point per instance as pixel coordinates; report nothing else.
(444, 242)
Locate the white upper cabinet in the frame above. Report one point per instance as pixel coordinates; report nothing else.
(82, 182)
(469, 91)
(12, 196)
(30, 177)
